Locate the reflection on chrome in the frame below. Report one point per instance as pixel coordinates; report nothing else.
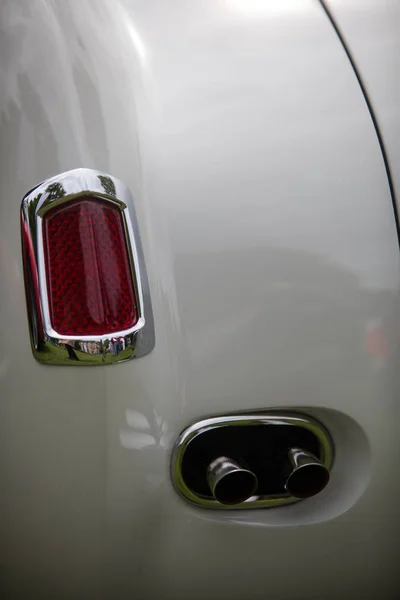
(306, 476)
(229, 482)
(77, 349)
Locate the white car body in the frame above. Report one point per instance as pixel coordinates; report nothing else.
(270, 242)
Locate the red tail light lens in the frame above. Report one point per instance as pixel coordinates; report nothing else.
(89, 279)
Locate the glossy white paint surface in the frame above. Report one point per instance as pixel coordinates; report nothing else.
(273, 262)
(371, 31)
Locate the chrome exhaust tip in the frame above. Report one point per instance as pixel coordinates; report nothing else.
(306, 476)
(230, 483)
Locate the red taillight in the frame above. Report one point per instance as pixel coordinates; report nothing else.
(89, 279)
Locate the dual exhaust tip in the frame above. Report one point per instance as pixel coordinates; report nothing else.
(231, 483)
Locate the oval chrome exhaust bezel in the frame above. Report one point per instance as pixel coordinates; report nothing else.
(270, 418)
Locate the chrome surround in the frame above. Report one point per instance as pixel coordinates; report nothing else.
(268, 418)
(47, 344)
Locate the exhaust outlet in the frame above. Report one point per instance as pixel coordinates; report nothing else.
(230, 483)
(306, 476)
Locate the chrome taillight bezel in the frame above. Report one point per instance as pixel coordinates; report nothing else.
(47, 344)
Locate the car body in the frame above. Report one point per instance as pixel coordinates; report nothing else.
(259, 142)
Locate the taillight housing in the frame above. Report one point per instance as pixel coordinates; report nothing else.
(86, 285)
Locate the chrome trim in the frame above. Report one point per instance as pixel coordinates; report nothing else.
(47, 344)
(224, 470)
(326, 454)
(303, 462)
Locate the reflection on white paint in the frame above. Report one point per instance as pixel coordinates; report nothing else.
(267, 7)
(137, 42)
(136, 419)
(134, 440)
